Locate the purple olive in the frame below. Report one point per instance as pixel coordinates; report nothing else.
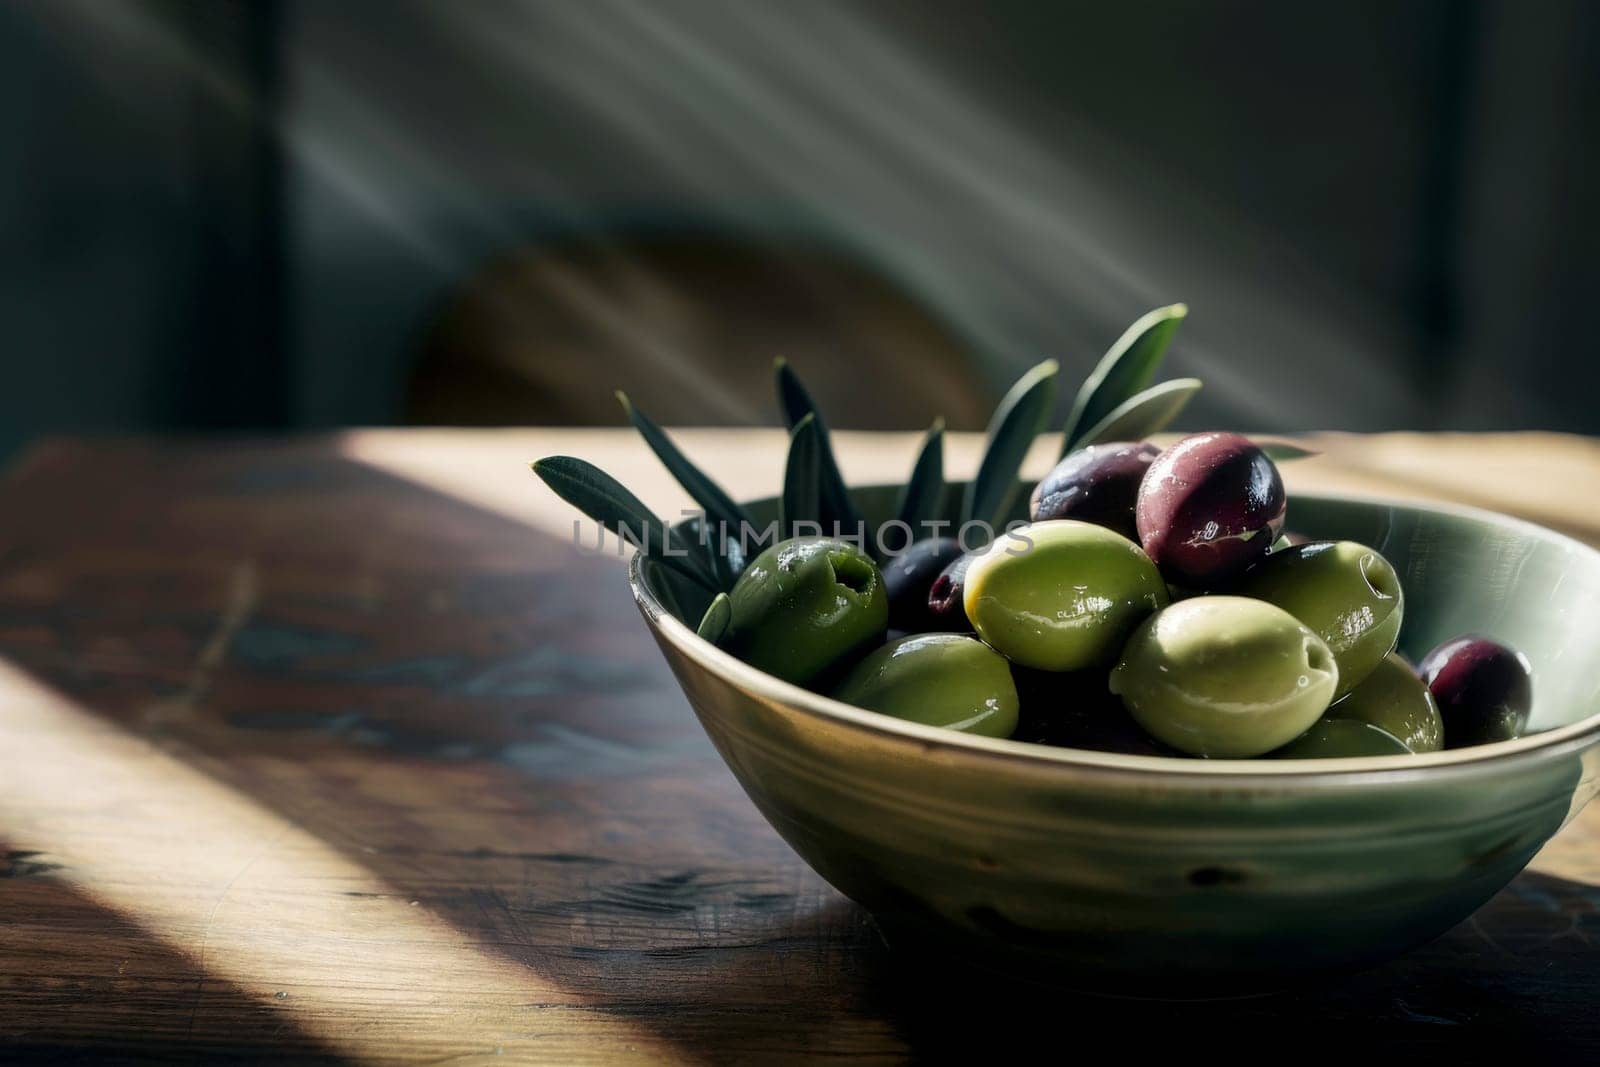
(1209, 506)
(908, 577)
(947, 596)
(1484, 690)
(1098, 484)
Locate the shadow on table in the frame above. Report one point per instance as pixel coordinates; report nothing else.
(460, 705)
(94, 986)
(1517, 976)
(472, 712)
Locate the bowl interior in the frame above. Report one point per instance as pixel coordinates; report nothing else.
(1463, 571)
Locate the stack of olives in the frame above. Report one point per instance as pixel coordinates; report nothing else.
(1151, 606)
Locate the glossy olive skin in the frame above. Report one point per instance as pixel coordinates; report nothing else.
(1098, 484)
(1076, 709)
(908, 577)
(947, 607)
(1225, 677)
(1061, 595)
(1394, 699)
(1484, 690)
(1209, 506)
(1342, 739)
(1346, 592)
(948, 680)
(805, 607)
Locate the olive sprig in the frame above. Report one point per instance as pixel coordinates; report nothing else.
(1116, 402)
(608, 502)
(922, 498)
(802, 499)
(834, 505)
(1017, 420)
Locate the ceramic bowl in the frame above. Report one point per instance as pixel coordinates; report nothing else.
(1144, 876)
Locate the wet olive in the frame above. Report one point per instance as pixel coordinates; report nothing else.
(1225, 676)
(806, 606)
(1098, 484)
(1061, 595)
(1394, 699)
(1342, 739)
(1346, 592)
(1209, 506)
(1484, 690)
(947, 608)
(948, 680)
(908, 577)
(1076, 709)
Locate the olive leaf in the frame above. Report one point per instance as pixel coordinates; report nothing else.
(605, 500)
(1125, 370)
(714, 623)
(722, 548)
(802, 477)
(1284, 452)
(922, 499)
(1017, 420)
(837, 511)
(1143, 414)
(724, 518)
(719, 506)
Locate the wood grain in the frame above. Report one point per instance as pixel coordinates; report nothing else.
(335, 749)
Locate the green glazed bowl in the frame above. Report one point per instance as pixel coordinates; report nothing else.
(1144, 876)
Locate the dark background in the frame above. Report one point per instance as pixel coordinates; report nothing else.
(257, 215)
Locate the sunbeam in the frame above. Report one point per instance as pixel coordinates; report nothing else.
(70, 782)
(878, 147)
(771, 120)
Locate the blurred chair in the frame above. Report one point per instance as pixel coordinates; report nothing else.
(689, 327)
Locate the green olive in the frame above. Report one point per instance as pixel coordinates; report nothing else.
(1334, 738)
(805, 607)
(948, 680)
(1061, 595)
(1346, 592)
(1394, 699)
(1225, 676)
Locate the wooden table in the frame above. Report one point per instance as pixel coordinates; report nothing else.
(334, 748)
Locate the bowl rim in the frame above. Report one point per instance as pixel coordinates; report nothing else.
(1244, 773)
